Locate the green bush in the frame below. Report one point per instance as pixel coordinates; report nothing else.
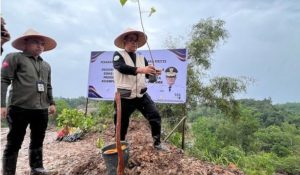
(290, 165)
(75, 118)
(278, 139)
(232, 154)
(280, 150)
(60, 105)
(175, 139)
(205, 138)
(104, 113)
(260, 164)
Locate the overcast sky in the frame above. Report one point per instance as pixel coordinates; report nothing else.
(263, 41)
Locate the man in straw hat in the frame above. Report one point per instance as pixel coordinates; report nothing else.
(30, 99)
(130, 73)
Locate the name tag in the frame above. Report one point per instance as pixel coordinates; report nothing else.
(40, 86)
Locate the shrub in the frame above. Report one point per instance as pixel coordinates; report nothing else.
(175, 139)
(232, 154)
(262, 163)
(75, 118)
(290, 165)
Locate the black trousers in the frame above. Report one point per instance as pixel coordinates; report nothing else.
(18, 119)
(147, 107)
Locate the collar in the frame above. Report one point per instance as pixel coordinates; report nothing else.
(129, 52)
(30, 56)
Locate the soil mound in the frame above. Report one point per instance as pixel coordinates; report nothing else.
(82, 157)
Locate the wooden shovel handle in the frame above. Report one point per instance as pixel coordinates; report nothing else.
(120, 170)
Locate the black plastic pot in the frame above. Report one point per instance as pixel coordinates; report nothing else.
(111, 160)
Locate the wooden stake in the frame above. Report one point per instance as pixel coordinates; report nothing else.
(120, 169)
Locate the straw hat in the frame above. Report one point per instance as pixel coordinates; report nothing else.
(19, 42)
(142, 38)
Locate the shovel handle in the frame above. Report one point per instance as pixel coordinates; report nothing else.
(120, 169)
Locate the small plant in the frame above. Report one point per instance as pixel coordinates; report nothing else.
(232, 154)
(99, 143)
(75, 118)
(176, 139)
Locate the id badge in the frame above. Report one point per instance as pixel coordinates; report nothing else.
(40, 86)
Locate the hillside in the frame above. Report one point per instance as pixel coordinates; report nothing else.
(82, 157)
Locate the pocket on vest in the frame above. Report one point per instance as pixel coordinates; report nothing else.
(124, 92)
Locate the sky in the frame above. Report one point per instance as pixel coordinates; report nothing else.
(263, 42)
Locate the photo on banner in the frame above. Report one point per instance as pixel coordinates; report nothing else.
(170, 86)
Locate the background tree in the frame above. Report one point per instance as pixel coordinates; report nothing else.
(203, 40)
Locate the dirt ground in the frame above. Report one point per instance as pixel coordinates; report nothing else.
(83, 158)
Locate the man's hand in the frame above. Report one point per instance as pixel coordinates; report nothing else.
(158, 71)
(148, 70)
(3, 112)
(52, 109)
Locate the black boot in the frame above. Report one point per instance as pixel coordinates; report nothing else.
(36, 162)
(156, 142)
(158, 145)
(9, 164)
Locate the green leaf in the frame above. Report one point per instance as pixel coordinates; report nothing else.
(123, 2)
(99, 143)
(152, 10)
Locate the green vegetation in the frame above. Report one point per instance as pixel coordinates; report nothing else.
(72, 102)
(260, 138)
(257, 141)
(256, 146)
(75, 118)
(95, 120)
(257, 136)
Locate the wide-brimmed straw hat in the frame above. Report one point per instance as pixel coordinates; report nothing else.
(142, 38)
(30, 33)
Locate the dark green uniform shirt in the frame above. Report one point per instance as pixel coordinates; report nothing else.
(23, 71)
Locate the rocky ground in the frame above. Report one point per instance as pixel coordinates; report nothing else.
(82, 157)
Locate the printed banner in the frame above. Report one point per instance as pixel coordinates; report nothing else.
(170, 86)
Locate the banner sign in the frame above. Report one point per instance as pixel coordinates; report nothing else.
(170, 86)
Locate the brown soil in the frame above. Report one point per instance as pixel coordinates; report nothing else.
(82, 157)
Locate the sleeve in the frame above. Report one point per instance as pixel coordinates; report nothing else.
(121, 66)
(146, 64)
(8, 69)
(49, 89)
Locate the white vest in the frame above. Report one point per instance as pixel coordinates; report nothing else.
(131, 82)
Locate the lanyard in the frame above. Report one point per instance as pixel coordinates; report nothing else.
(38, 70)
